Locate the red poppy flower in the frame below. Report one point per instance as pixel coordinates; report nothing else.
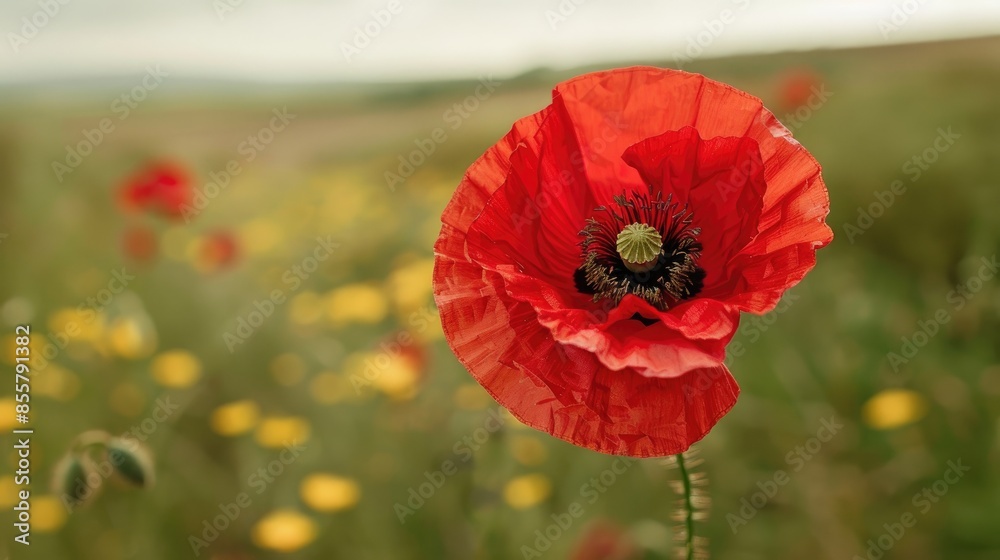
(218, 250)
(593, 264)
(164, 188)
(604, 540)
(797, 86)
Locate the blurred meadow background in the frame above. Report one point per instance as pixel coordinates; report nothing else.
(165, 325)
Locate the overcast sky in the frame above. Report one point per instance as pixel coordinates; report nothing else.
(295, 40)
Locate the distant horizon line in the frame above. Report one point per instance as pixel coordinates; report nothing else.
(235, 78)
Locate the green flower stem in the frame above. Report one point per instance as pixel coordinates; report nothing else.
(688, 507)
(90, 439)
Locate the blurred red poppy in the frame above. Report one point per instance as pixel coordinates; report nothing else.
(694, 203)
(163, 188)
(218, 250)
(411, 349)
(139, 243)
(604, 540)
(796, 87)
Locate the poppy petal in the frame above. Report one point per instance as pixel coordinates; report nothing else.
(563, 390)
(509, 238)
(722, 178)
(643, 102)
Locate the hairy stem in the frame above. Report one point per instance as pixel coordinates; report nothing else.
(688, 508)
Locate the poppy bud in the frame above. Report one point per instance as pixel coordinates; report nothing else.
(131, 462)
(75, 481)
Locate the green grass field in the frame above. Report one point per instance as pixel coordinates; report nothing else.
(322, 367)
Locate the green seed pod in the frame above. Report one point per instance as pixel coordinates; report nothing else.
(131, 461)
(75, 481)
